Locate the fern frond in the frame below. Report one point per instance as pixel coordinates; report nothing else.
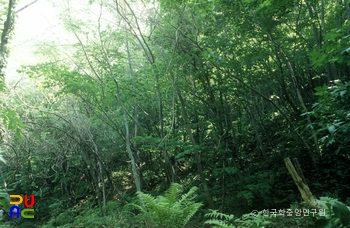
(172, 210)
(218, 224)
(218, 215)
(189, 196)
(172, 194)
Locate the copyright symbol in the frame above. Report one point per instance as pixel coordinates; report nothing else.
(254, 213)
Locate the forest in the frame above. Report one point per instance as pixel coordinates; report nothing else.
(179, 113)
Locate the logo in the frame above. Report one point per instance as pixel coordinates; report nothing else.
(27, 212)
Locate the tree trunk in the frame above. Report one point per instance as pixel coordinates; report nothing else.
(168, 167)
(135, 171)
(100, 171)
(303, 188)
(347, 7)
(316, 154)
(314, 28)
(8, 27)
(260, 145)
(196, 153)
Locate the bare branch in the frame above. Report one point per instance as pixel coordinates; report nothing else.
(24, 7)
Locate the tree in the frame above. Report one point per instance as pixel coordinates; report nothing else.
(5, 36)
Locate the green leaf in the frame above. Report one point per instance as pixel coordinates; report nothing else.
(342, 212)
(11, 120)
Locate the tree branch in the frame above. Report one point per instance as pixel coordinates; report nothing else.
(24, 7)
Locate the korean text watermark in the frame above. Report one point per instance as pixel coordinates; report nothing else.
(290, 212)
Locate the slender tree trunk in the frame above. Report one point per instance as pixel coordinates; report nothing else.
(131, 155)
(196, 153)
(135, 115)
(319, 35)
(135, 171)
(331, 69)
(101, 179)
(269, 100)
(315, 155)
(8, 27)
(347, 7)
(314, 28)
(285, 94)
(168, 167)
(260, 145)
(324, 28)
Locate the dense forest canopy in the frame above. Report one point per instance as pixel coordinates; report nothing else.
(211, 95)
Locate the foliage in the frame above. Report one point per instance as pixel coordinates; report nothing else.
(227, 221)
(91, 217)
(219, 219)
(338, 214)
(12, 121)
(174, 209)
(4, 201)
(335, 50)
(204, 93)
(7, 19)
(331, 113)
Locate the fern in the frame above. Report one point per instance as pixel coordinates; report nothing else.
(219, 220)
(4, 200)
(256, 221)
(172, 194)
(218, 223)
(173, 210)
